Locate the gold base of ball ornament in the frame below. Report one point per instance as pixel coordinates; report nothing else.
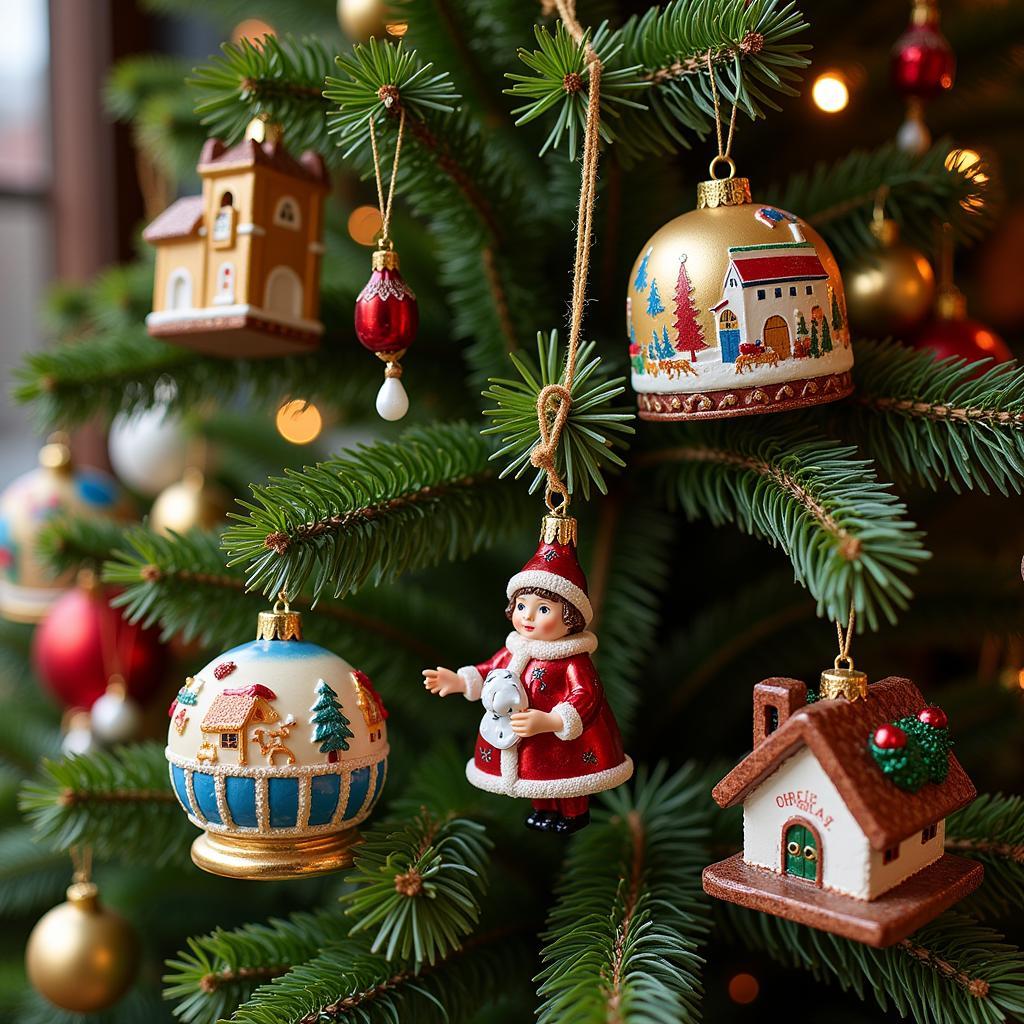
(82, 956)
(268, 859)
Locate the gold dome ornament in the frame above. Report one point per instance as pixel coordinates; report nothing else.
(891, 288)
(362, 20)
(191, 502)
(81, 955)
(735, 309)
(278, 750)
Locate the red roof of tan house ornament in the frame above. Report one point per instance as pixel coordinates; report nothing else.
(764, 269)
(837, 731)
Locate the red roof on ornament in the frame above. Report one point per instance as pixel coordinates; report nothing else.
(758, 270)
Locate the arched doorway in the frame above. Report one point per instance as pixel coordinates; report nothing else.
(776, 335)
(283, 293)
(801, 851)
(179, 290)
(729, 336)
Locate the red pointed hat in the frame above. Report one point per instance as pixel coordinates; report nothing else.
(555, 567)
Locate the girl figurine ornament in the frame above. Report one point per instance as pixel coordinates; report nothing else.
(547, 733)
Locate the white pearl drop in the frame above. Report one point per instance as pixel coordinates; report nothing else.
(392, 401)
(115, 719)
(78, 741)
(913, 136)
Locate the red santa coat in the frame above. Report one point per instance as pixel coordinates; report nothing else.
(585, 756)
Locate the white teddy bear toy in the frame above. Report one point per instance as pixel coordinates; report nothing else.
(502, 696)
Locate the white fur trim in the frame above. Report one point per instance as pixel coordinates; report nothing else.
(470, 675)
(509, 783)
(557, 585)
(572, 724)
(548, 650)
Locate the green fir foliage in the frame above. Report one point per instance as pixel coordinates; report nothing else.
(332, 730)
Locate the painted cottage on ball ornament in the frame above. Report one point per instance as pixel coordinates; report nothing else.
(843, 820)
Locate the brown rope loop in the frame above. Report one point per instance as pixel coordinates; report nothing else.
(544, 454)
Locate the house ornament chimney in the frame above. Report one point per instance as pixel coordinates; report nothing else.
(847, 682)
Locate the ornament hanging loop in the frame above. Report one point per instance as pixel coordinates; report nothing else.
(723, 151)
(545, 452)
(386, 204)
(716, 162)
(839, 682)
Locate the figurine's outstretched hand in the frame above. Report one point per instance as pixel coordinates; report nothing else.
(443, 681)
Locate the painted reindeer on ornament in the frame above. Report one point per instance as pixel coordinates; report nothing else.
(275, 746)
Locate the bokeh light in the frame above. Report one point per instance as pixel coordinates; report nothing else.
(830, 92)
(252, 29)
(364, 225)
(743, 988)
(299, 422)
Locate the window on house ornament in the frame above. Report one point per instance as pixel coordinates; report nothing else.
(224, 222)
(778, 293)
(890, 855)
(760, 293)
(929, 832)
(792, 290)
(229, 740)
(287, 213)
(809, 290)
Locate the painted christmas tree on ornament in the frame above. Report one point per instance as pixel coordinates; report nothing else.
(547, 733)
(844, 806)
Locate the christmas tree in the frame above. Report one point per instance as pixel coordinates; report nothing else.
(689, 333)
(332, 731)
(396, 541)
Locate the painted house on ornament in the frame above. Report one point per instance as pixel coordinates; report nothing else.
(765, 290)
(228, 718)
(238, 267)
(829, 839)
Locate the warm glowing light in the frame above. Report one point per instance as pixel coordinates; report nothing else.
(986, 341)
(396, 28)
(830, 92)
(962, 159)
(299, 422)
(364, 225)
(1020, 678)
(743, 988)
(252, 29)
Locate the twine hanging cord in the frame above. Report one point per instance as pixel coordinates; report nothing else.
(724, 152)
(845, 641)
(558, 397)
(385, 205)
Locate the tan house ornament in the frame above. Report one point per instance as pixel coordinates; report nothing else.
(238, 267)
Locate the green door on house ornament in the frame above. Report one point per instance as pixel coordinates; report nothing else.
(801, 852)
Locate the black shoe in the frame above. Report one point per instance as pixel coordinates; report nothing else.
(566, 826)
(542, 821)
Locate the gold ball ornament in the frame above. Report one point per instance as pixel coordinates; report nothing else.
(81, 956)
(890, 289)
(734, 309)
(192, 502)
(362, 19)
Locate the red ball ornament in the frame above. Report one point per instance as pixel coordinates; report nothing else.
(923, 64)
(82, 642)
(963, 337)
(386, 318)
(934, 716)
(890, 737)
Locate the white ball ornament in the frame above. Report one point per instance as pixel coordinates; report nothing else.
(278, 749)
(116, 718)
(148, 449)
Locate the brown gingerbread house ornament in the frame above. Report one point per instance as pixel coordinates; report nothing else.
(238, 267)
(844, 805)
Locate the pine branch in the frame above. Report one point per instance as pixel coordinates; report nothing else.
(219, 971)
(373, 514)
(348, 983)
(621, 937)
(118, 803)
(952, 971)
(939, 421)
(991, 829)
(655, 87)
(593, 430)
(838, 198)
(418, 889)
(31, 880)
(844, 532)
(628, 576)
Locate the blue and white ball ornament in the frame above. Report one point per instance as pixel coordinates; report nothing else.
(278, 749)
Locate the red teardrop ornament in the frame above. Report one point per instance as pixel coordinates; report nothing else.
(386, 315)
(932, 715)
(890, 737)
(923, 63)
